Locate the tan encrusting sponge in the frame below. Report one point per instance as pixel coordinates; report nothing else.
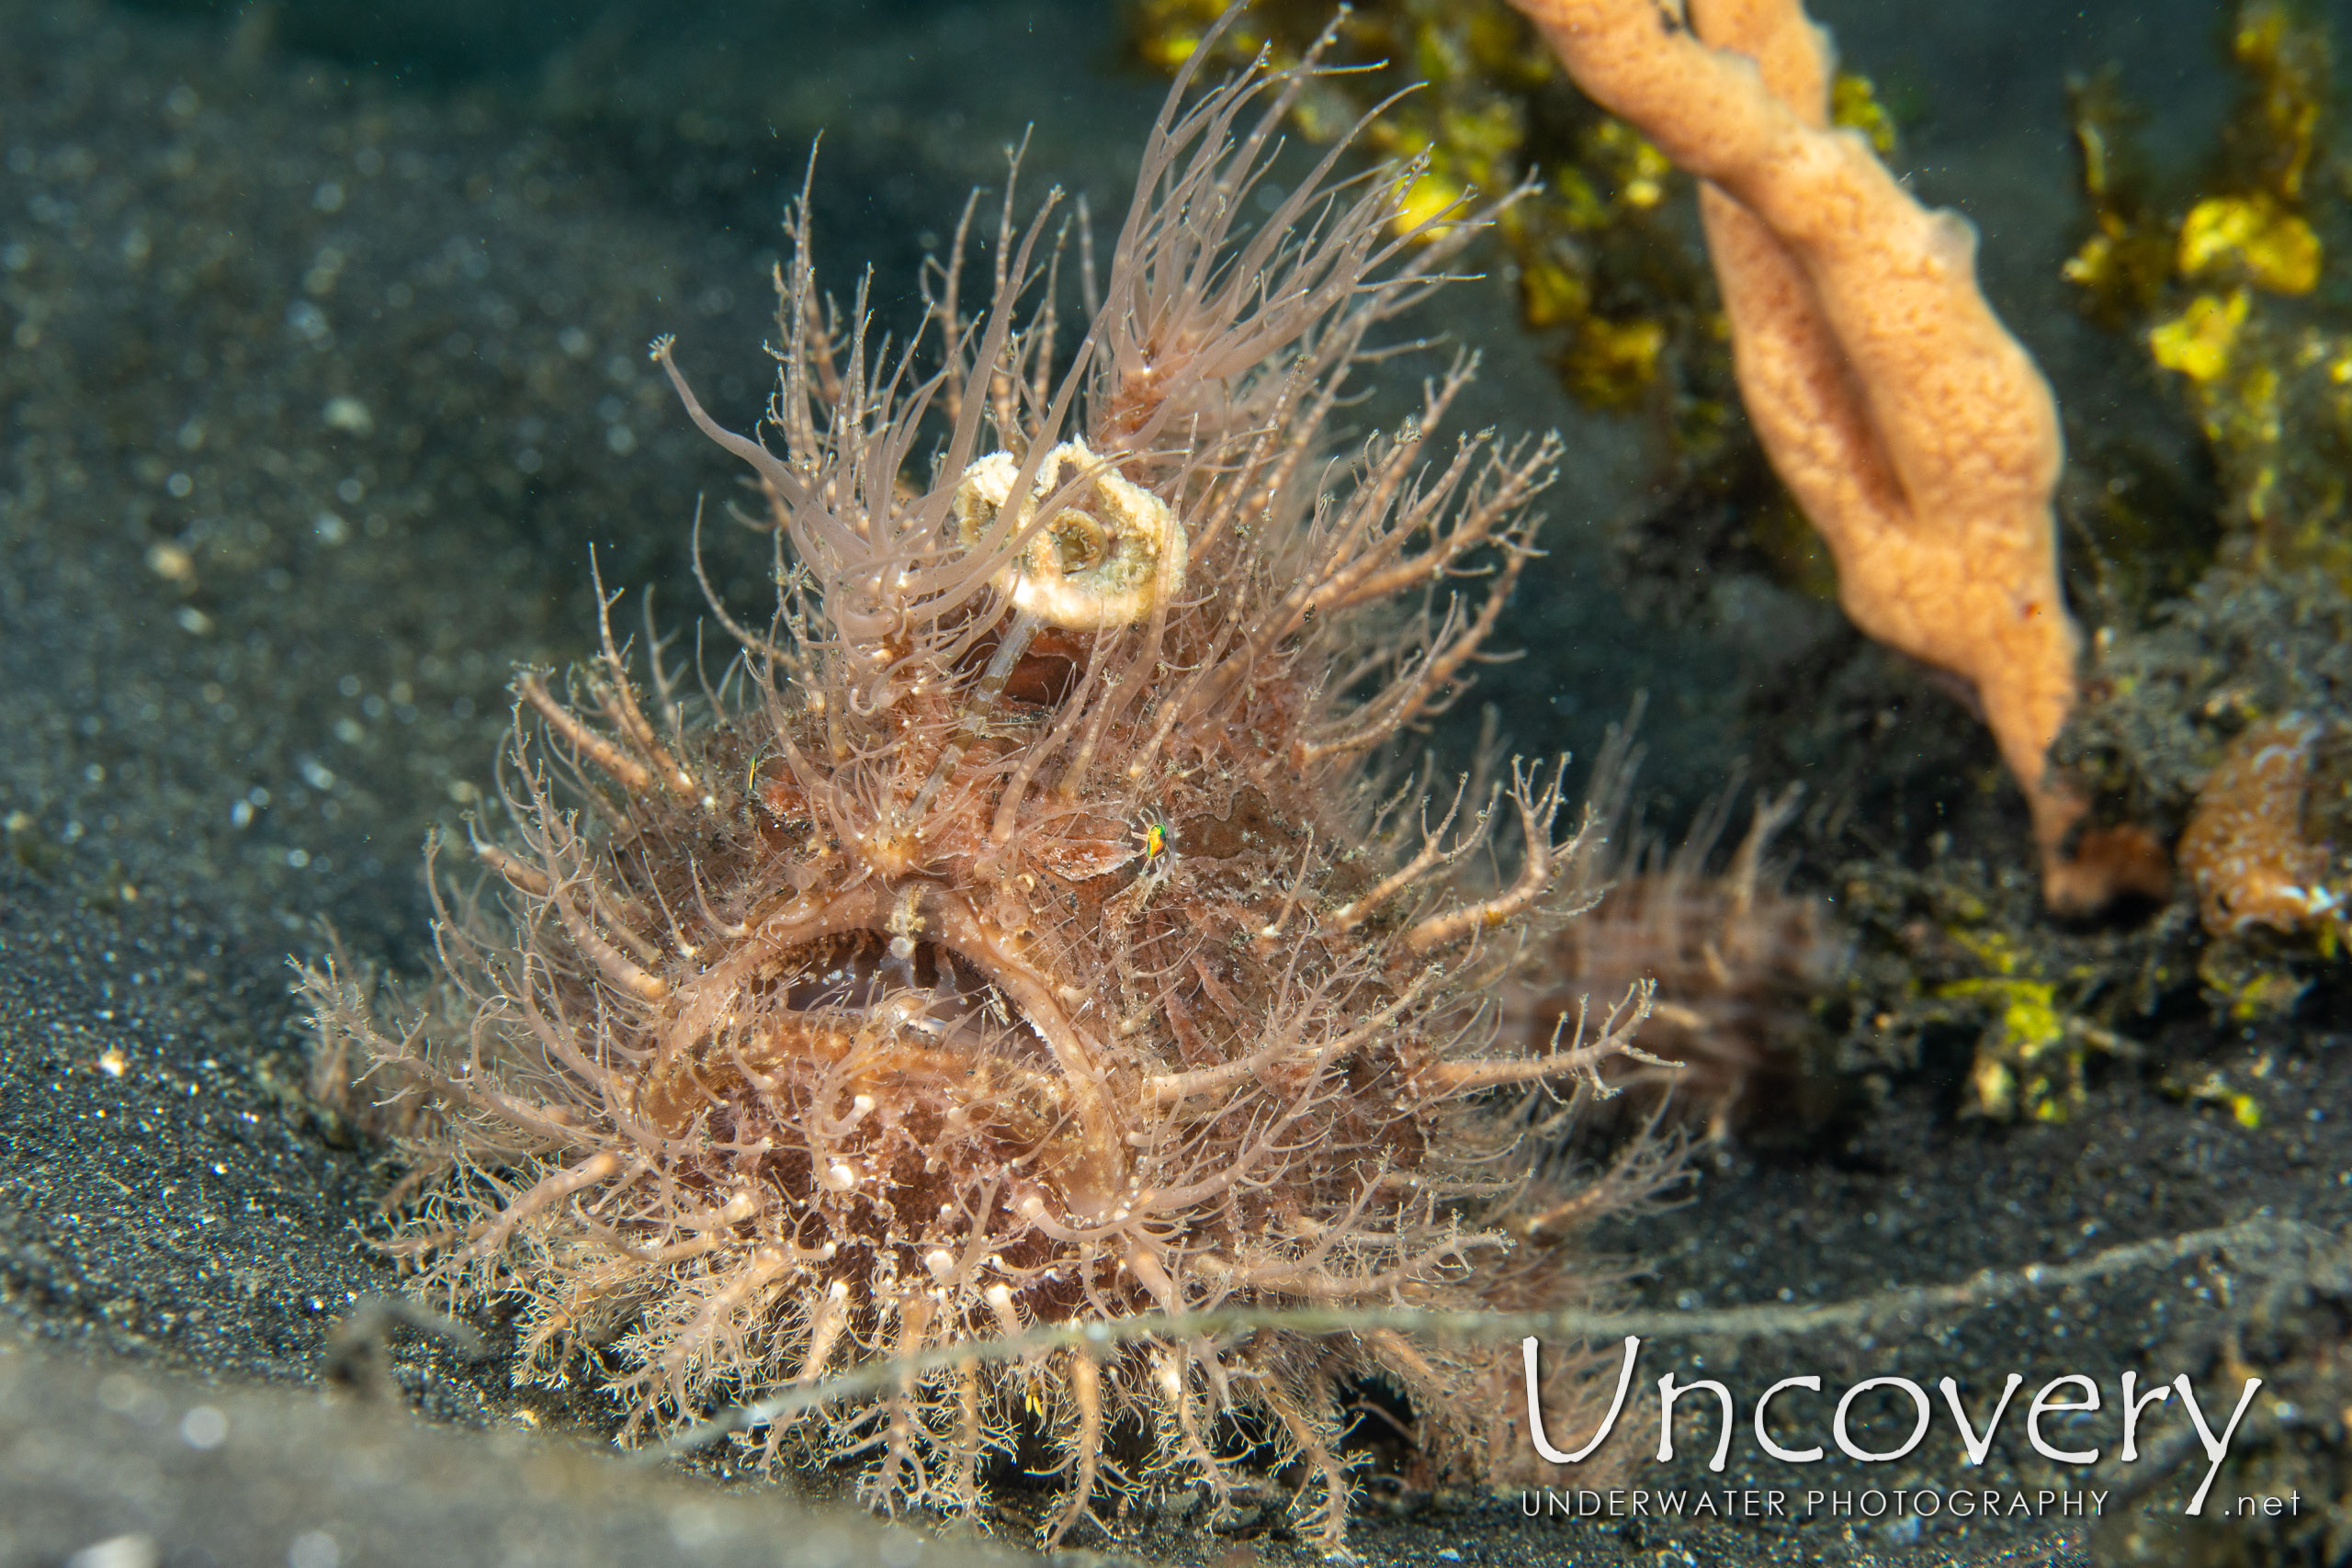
(1912, 428)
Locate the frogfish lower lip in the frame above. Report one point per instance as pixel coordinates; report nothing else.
(861, 971)
(902, 989)
(846, 993)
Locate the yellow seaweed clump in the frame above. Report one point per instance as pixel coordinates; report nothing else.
(1958, 956)
(2272, 245)
(2225, 291)
(2030, 1060)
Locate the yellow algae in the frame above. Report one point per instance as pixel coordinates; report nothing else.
(2252, 236)
(2199, 341)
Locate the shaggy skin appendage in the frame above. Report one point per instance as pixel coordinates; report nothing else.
(1034, 926)
(1735, 961)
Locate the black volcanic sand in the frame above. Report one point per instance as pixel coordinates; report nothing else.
(315, 389)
